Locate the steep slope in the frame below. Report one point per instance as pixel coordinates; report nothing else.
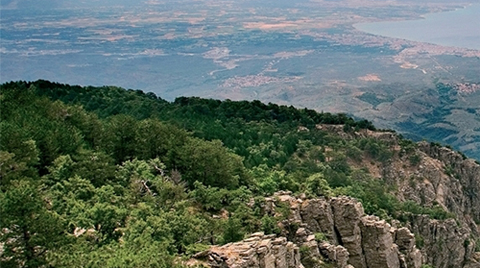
(335, 231)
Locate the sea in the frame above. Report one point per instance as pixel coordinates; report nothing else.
(458, 28)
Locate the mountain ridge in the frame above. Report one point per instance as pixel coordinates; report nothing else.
(110, 177)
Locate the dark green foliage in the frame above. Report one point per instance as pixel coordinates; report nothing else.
(316, 185)
(233, 231)
(373, 99)
(270, 225)
(415, 159)
(435, 212)
(31, 228)
(119, 140)
(239, 125)
(375, 197)
(210, 163)
(320, 237)
(419, 241)
(107, 177)
(109, 101)
(211, 198)
(376, 149)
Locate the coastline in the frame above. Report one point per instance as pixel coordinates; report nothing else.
(424, 31)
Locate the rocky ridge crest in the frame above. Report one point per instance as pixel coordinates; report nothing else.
(350, 239)
(335, 232)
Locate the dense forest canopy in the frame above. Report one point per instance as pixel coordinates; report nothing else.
(103, 176)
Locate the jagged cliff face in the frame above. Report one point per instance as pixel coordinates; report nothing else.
(443, 177)
(352, 239)
(258, 250)
(459, 190)
(439, 177)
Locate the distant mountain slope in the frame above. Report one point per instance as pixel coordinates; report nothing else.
(449, 113)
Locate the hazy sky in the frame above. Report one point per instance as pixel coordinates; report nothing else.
(48, 4)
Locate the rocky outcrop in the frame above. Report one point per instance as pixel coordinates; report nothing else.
(317, 214)
(378, 244)
(405, 240)
(347, 218)
(443, 179)
(369, 241)
(336, 231)
(352, 239)
(464, 198)
(257, 251)
(336, 254)
(439, 176)
(444, 243)
(434, 177)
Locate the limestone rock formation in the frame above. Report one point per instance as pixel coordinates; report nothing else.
(335, 232)
(347, 217)
(353, 239)
(338, 255)
(463, 198)
(378, 244)
(445, 243)
(405, 240)
(438, 177)
(317, 214)
(257, 251)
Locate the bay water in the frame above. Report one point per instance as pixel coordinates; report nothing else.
(458, 28)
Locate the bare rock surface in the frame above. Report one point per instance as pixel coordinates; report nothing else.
(257, 251)
(347, 214)
(353, 239)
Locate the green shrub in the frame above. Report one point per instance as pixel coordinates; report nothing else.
(316, 185)
(233, 231)
(270, 225)
(419, 241)
(415, 159)
(195, 248)
(320, 237)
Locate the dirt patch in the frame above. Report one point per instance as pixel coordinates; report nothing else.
(370, 78)
(267, 26)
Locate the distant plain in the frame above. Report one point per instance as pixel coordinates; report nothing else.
(301, 53)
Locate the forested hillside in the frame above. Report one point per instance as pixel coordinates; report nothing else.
(108, 177)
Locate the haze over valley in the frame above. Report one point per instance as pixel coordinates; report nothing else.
(301, 53)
